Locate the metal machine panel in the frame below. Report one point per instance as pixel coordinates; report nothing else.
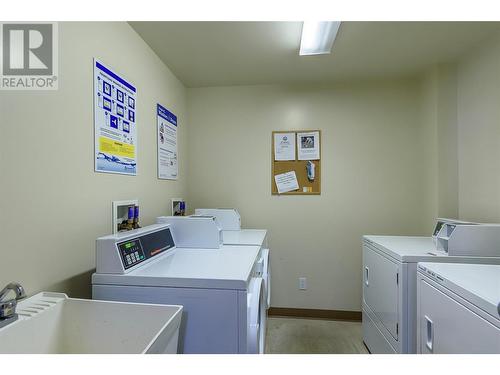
(194, 231)
(373, 338)
(228, 218)
(446, 325)
(209, 320)
(381, 288)
(121, 252)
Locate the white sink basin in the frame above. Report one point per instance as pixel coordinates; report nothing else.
(51, 323)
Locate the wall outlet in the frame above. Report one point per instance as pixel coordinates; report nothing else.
(302, 283)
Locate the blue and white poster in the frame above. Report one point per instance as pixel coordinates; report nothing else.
(167, 144)
(115, 126)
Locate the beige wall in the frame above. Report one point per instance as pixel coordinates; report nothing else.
(478, 78)
(373, 176)
(439, 122)
(53, 204)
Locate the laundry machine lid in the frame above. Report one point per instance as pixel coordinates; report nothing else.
(477, 283)
(229, 267)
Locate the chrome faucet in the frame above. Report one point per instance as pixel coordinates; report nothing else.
(8, 306)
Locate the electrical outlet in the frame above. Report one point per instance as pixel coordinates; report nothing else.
(302, 283)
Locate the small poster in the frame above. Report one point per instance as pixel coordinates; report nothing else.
(286, 182)
(308, 146)
(284, 146)
(115, 126)
(167, 144)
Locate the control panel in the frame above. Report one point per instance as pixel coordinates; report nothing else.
(131, 252)
(121, 252)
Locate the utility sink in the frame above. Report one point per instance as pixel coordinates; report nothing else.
(52, 323)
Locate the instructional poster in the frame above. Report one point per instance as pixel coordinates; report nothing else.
(115, 126)
(167, 144)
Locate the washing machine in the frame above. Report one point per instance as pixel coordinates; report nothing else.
(389, 311)
(458, 308)
(219, 288)
(205, 230)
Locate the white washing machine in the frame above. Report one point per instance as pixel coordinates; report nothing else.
(219, 289)
(458, 308)
(389, 288)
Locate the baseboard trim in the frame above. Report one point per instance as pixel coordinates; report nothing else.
(351, 316)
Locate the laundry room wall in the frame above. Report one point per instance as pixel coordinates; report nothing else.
(373, 176)
(478, 92)
(439, 123)
(53, 204)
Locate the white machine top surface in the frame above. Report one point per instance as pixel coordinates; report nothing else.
(417, 249)
(244, 237)
(229, 267)
(477, 283)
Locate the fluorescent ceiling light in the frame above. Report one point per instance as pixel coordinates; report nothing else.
(318, 37)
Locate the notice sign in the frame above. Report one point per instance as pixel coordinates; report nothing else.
(167, 144)
(115, 127)
(308, 146)
(284, 146)
(286, 182)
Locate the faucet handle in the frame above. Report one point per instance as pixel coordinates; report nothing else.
(16, 287)
(8, 309)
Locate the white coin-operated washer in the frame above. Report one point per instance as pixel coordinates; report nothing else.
(219, 289)
(229, 220)
(205, 231)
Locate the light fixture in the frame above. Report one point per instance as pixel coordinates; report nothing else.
(318, 37)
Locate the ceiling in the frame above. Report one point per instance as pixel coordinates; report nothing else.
(247, 53)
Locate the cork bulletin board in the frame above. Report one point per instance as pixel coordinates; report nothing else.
(278, 167)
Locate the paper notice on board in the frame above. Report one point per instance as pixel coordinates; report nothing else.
(284, 146)
(308, 146)
(286, 182)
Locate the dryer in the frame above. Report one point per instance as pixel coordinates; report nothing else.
(219, 288)
(389, 287)
(458, 308)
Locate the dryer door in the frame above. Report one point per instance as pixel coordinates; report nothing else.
(381, 288)
(255, 317)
